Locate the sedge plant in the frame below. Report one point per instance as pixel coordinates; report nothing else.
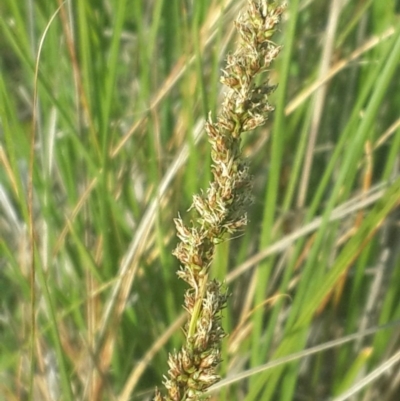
(89, 298)
(222, 209)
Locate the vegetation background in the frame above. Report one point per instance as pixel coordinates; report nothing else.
(102, 105)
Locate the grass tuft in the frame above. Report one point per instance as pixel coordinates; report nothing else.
(102, 146)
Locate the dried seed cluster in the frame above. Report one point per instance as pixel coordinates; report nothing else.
(223, 208)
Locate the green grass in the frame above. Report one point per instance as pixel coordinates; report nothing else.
(89, 297)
